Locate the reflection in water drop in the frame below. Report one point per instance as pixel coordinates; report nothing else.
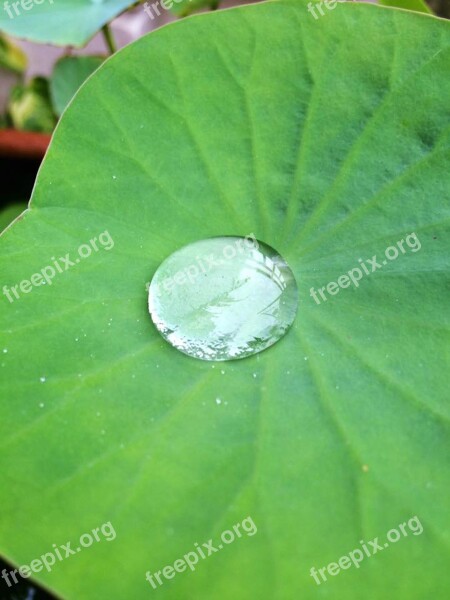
(223, 298)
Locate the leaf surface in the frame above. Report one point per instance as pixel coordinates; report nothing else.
(328, 147)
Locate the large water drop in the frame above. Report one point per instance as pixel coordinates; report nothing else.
(223, 298)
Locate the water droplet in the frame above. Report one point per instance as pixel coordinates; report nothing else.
(218, 401)
(42, 379)
(41, 405)
(5, 350)
(223, 298)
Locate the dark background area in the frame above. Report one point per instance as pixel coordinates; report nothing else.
(17, 179)
(440, 7)
(23, 590)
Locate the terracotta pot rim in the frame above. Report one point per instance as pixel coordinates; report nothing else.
(23, 144)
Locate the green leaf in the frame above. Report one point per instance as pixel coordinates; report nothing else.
(329, 140)
(11, 56)
(30, 107)
(417, 5)
(69, 74)
(7, 215)
(182, 8)
(66, 23)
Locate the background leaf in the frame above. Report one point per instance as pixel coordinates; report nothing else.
(183, 8)
(11, 56)
(67, 23)
(8, 214)
(416, 5)
(69, 74)
(30, 107)
(327, 139)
